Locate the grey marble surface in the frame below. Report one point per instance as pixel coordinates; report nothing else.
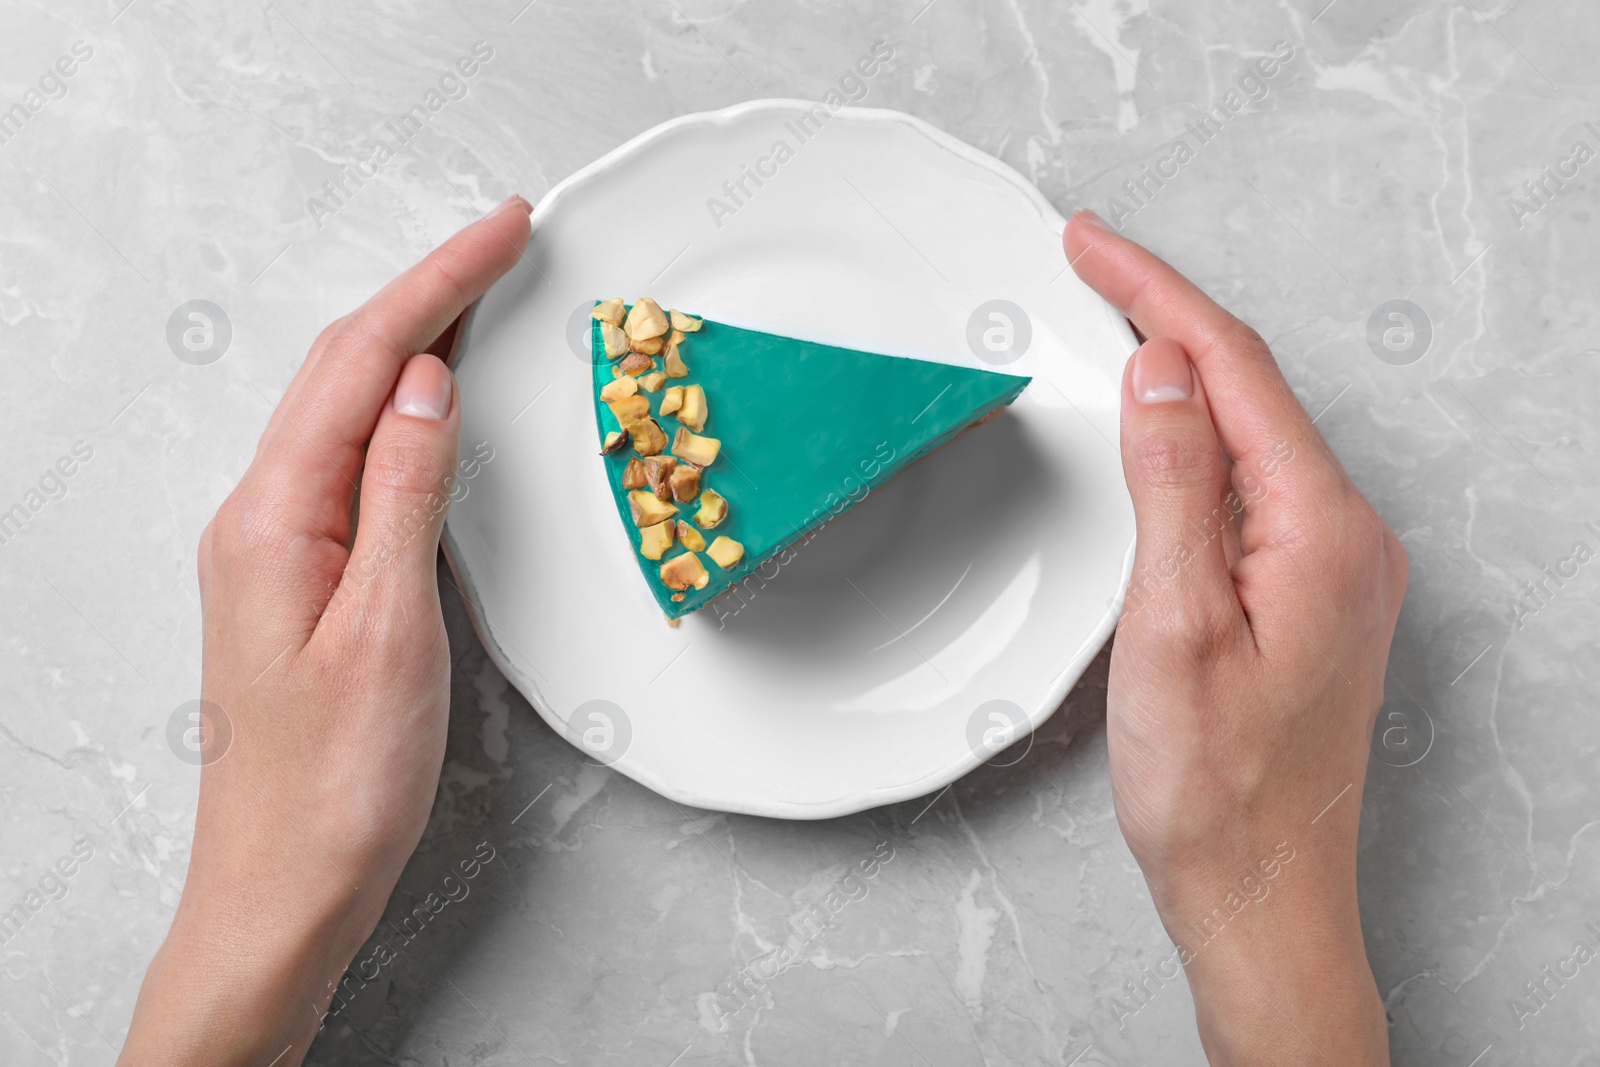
(1385, 159)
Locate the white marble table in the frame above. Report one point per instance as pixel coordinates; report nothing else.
(1386, 158)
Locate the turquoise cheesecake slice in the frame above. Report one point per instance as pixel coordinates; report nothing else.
(724, 446)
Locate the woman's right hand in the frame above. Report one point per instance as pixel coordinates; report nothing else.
(1247, 673)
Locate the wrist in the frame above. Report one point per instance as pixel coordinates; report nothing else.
(1275, 959)
(1307, 1001)
(247, 969)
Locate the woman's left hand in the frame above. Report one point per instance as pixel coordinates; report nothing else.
(325, 651)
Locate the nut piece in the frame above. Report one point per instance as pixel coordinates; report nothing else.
(674, 622)
(686, 323)
(649, 346)
(630, 407)
(648, 436)
(652, 382)
(689, 537)
(633, 474)
(713, 509)
(647, 510)
(684, 571)
(693, 413)
(675, 365)
(609, 311)
(658, 472)
(616, 341)
(616, 441)
(645, 319)
(672, 399)
(725, 551)
(701, 451)
(655, 540)
(637, 363)
(685, 483)
(618, 388)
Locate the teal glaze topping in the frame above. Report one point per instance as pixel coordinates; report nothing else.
(807, 431)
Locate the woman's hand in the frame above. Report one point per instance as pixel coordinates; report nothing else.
(1247, 673)
(325, 649)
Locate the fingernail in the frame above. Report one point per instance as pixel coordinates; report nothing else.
(1161, 373)
(514, 200)
(1095, 220)
(423, 389)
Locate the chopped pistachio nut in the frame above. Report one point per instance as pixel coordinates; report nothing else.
(652, 382)
(650, 346)
(615, 340)
(609, 311)
(685, 483)
(618, 389)
(633, 474)
(693, 412)
(655, 540)
(675, 365)
(645, 319)
(725, 551)
(681, 572)
(690, 538)
(701, 451)
(629, 407)
(649, 439)
(647, 510)
(672, 399)
(686, 323)
(713, 509)
(637, 363)
(615, 441)
(658, 472)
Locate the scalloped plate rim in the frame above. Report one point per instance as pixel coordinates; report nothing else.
(865, 798)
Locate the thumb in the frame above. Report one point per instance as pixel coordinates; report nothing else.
(405, 489)
(1173, 465)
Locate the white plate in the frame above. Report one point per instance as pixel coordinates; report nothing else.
(866, 671)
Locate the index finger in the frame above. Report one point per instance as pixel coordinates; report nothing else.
(332, 407)
(1259, 420)
(361, 363)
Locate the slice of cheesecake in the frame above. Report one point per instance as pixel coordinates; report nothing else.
(724, 446)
